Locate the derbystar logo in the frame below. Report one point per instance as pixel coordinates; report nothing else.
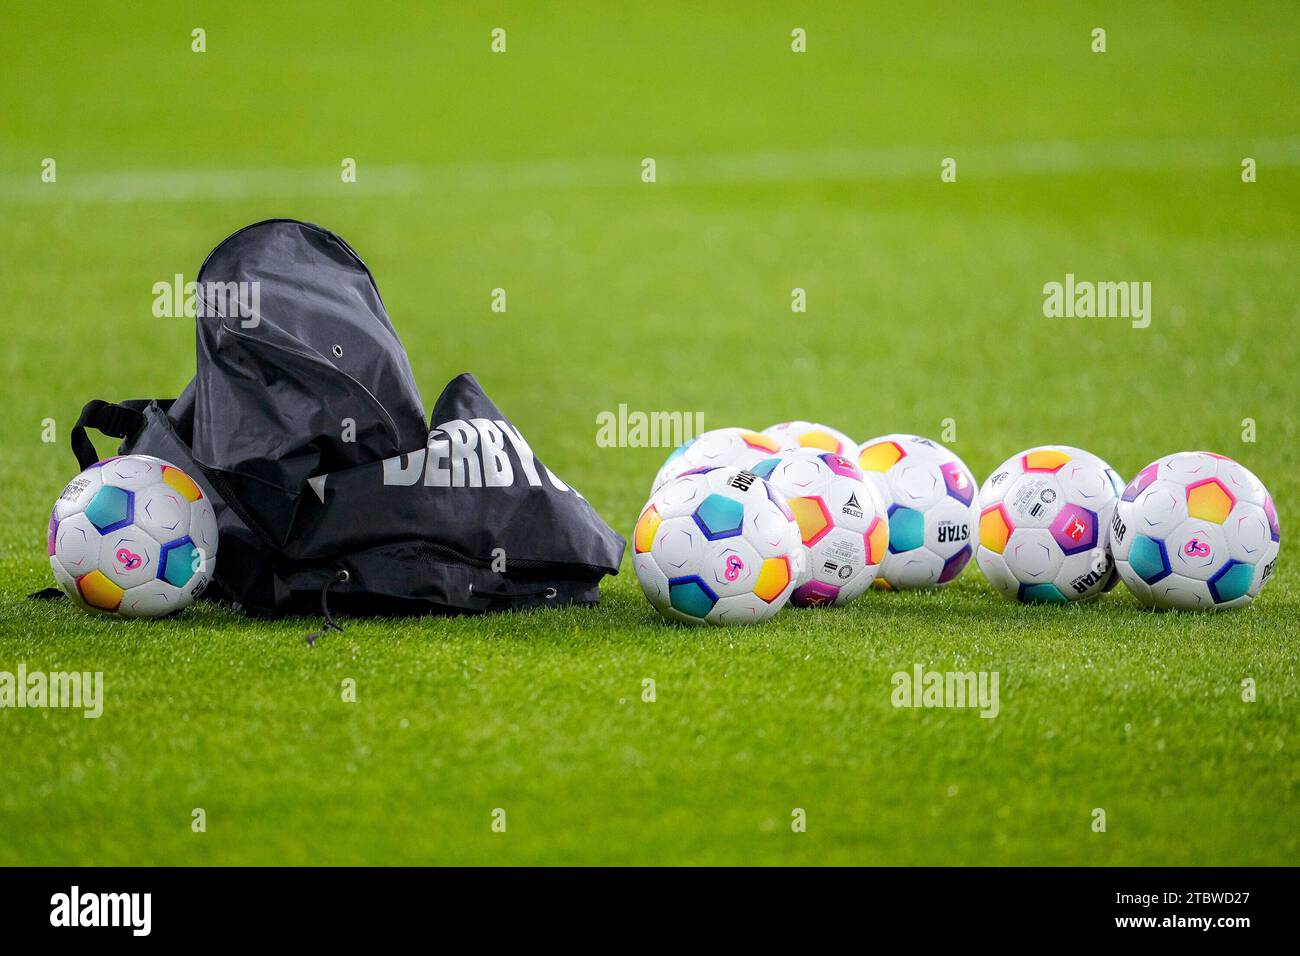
(742, 480)
(1083, 583)
(471, 454)
(950, 532)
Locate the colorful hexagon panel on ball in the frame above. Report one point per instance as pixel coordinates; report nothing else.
(958, 481)
(773, 579)
(183, 483)
(811, 435)
(122, 537)
(720, 516)
(813, 517)
(1231, 582)
(1270, 512)
(1148, 558)
(954, 565)
(98, 592)
(841, 465)
(178, 562)
(815, 594)
(1209, 501)
(691, 596)
(646, 526)
(906, 529)
(1075, 529)
(876, 540)
(995, 528)
(1140, 482)
(1041, 594)
(1044, 459)
(880, 455)
(110, 509)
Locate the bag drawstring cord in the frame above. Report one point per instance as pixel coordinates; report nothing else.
(340, 577)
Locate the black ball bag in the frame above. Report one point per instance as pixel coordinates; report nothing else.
(304, 425)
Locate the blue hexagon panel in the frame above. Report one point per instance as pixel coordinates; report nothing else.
(111, 509)
(1041, 593)
(176, 564)
(720, 517)
(1231, 581)
(691, 596)
(906, 529)
(1148, 559)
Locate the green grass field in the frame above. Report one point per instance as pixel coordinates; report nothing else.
(775, 170)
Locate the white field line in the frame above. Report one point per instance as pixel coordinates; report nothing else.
(833, 165)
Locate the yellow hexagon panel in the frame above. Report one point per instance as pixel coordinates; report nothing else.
(1045, 459)
(773, 577)
(98, 591)
(877, 540)
(761, 442)
(1209, 501)
(995, 528)
(182, 483)
(812, 518)
(646, 528)
(881, 456)
(819, 439)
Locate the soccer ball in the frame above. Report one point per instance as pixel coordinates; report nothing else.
(1043, 520)
(1195, 531)
(719, 448)
(842, 524)
(811, 435)
(719, 547)
(133, 536)
(929, 496)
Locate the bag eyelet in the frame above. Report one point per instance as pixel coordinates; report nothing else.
(338, 351)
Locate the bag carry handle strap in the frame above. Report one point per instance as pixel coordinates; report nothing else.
(118, 421)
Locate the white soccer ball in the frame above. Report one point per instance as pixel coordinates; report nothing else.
(718, 547)
(1043, 520)
(133, 536)
(929, 496)
(842, 525)
(811, 435)
(719, 448)
(1195, 531)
